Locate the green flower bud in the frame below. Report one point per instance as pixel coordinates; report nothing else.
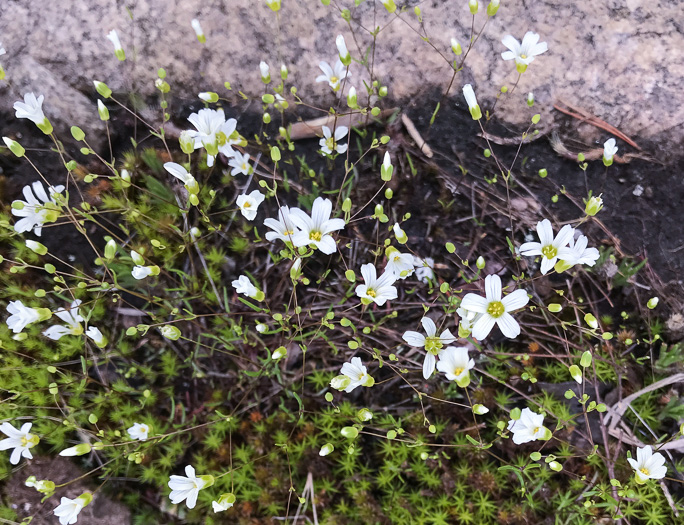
(480, 409)
(14, 146)
(473, 6)
(110, 249)
(593, 206)
(170, 332)
(102, 89)
(576, 373)
(102, 110)
(326, 449)
(37, 247)
(350, 432)
(493, 7)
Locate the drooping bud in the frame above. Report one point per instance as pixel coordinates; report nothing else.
(118, 50)
(198, 31)
(326, 449)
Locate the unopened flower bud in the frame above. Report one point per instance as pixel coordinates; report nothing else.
(78, 450)
(652, 303)
(279, 353)
(576, 373)
(591, 321)
(340, 382)
(170, 332)
(102, 110)
(326, 449)
(474, 108)
(399, 234)
(37, 247)
(493, 7)
(187, 143)
(456, 47)
(593, 206)
(273, 4)
(585, 360)
(209, 96)
(480, 409)
(265, 72)
(364, 415)
(283, 71)
(102, 89)
(473, 6)
(480, 263)
(14, 146)
(352, 101)
(386, 169)
(389, 5)
(118, 50)
(198, 31)
(125, 179)
(530, 99)
(345, 57)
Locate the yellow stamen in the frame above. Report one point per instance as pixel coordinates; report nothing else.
(371, 293)
(315, 236)
(549, 251)
(496, 309)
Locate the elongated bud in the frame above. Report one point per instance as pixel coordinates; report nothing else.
(593, 206)
(576, 373)
(389, 5)
(652, 303)
(209, 96)
(473, 6)
(78, 450)
(265, 72)
(474, 108)
(118, 50)
(37, 247)
(296, 270)
(279, 353)
(352, 101)
(346, 205)
(187, 142)
(399, 234)
(125, 179)
(274, 5)
(326, 449)
(137, 258)
(198, 31)
(530, 99)
(480, 410)
(170, 332)
(386, 169)
(14, 146)
(456, 47)
(350, 432)
(102, 110)
(493, 7)
(591, 321)
(283, 71)
(340, 382)
(102, 89)
(345, 57)
(364, 415)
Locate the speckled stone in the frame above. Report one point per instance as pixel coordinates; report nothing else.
(621, 60)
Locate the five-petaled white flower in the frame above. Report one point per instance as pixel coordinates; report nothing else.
(187, 487)
(609, 150)
(248, 204)
(400, 264)
(139, 431)
(548, 247)
(523, 53)
(433, 343)
(648, 465)
(38, 209)
(316, 229)
(212, 132)
(494, 309)
(577, 253)
(32, 108)
(21, 316)
(454, 362)
(376, 289)
(530, 427)
(354, 374)
(283, 227)
(239, 163)
(244, 286)
(333, 76)
(22, 441)
(68, 509)
(71, 317)
(329, 143)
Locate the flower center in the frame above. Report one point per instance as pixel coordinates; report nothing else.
(536, 430)
(523, 57)
(315, 236)
(458, 371)
(287, 233)
(361, 376)
(330, 143)
(334, 80)
(29, 440)
(549, 251)
(433, 345)
(246, 205)
(644, 471)
(371, 293)
(496, 309)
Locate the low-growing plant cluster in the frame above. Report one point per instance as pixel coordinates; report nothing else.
(334, 329)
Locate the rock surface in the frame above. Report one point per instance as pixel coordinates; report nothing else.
(621, 60)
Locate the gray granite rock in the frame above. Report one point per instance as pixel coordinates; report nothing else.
(621, 60)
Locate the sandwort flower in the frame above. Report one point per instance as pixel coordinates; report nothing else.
(577, 253)
(22, 441)
(454, 362)
(494, 309)
(21, 316)
(139, 431)
(224, 502)
(354, 374)
(248, 204)
(113, 37)
(609, 150)
(283, 227)
(198, 30)
(530, 427)
(317, 228)
(523, 53)
(187, 487)
(71, 317)
(38, 209)
(329, 143)
(376, 289)
(68, 509)
(333, 76)
(648, 465)
(240, 164)
(32, 109)
(244, 286)
(345, 57)
(548, 247)
(433, 343)
(94, 333)
(399, 264)
(473, 106)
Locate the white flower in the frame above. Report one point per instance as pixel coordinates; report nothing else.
(317, 228)
(357, 374)
(345, 57)
(224, 502)
(523, 53)
(38, 209)
(22, 441)
(239, 163)
(494, 309)
(20, 316)
(140, 272)
(399, 264)
(330, 143)
(468, 319)
(548, 247)
(208, 123)
(31, 108)
(376, 289)
(530, 427)
(283, 227)
(113, 37)
(424, 268)
(139, 431)
(433, 343)
(71, 317)
(648, 465)
(94, 333)
(578, 253)
(469, 95)
(248, 204)
(68, 509)
(454, 362)
(244, 286)
(179, 172)
(609, 149)
(265, 72)
(187, 487)
(198, 29)
(333, 76)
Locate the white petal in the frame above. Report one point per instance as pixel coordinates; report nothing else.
(429, 326)
(428, 365)
(508, 326)
(414, 338)
(492, 288)
(515, 300)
